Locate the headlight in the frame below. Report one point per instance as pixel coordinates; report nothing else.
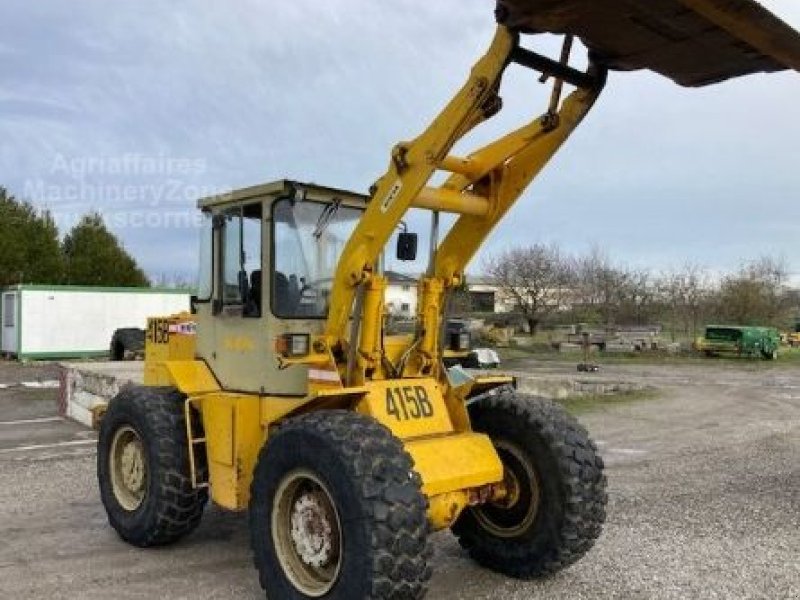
(292, 345)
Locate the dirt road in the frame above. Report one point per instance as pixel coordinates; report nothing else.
(704, 503)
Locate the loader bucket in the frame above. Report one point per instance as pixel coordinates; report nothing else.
(693, 42)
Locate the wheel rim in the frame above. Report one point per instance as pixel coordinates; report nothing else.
(514, 514)
(306, 533)
(128, 467)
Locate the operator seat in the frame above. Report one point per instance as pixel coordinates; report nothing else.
(282, 302)
(253, 308)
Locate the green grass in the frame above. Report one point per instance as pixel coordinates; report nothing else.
(786, 357)
(587, 403)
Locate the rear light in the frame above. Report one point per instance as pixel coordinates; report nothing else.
(292, 345)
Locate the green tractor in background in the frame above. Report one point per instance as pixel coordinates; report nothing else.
(752, 342)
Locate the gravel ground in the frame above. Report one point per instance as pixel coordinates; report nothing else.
(704, 485)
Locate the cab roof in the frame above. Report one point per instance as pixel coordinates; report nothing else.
(279, 188)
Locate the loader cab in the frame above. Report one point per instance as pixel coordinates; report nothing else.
(267, 264)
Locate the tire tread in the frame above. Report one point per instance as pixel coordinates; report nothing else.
(382, 471)
(581, 479)
(179, 506)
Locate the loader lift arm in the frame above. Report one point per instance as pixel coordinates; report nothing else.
(481, 188)
(693, 42)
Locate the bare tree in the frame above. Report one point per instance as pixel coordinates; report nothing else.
(176, 280)
(599, 286)
(637, 294)
(539, 280)
(535, 278)
(756, 293)
(685, 292)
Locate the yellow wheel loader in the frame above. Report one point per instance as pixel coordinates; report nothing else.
(283, 396)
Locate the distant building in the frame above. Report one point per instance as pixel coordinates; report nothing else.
(70, 321)
(401, 294)
(485, 296)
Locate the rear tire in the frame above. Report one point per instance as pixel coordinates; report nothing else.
(336, 511)
(127, 343)
(557, 491)
(143, 467)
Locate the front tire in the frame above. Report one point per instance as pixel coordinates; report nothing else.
(143, 467)
(336, 511)
(555, 507)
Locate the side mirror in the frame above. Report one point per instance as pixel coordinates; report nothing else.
(406, 246)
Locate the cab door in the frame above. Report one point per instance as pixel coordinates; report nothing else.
(238, 348)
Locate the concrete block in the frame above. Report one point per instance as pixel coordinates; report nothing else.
(87, 387)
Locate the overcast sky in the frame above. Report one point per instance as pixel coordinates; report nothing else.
(138, 108)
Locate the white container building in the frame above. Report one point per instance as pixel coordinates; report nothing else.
(52, 321)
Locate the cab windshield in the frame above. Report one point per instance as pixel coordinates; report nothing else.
(307, 239)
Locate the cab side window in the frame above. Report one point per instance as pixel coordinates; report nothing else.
(241, 258)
